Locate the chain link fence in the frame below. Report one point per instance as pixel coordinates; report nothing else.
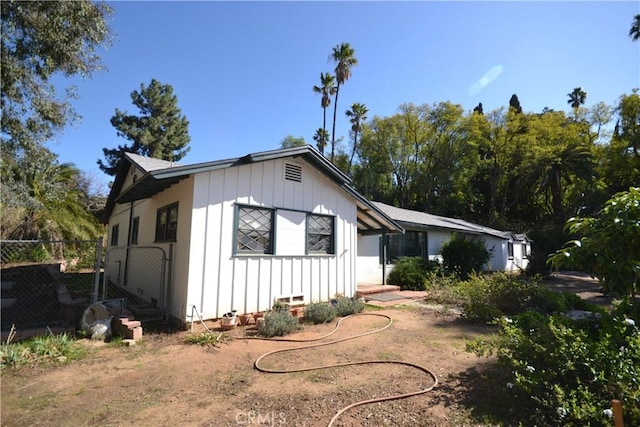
(47, 284)
(139, 274)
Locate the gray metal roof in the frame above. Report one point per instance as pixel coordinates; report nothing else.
(415, 220)
(148, 164)
(160, 175)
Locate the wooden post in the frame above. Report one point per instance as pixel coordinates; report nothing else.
(617, 413)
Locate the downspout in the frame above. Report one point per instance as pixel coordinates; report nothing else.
(384, 258)
(126, 258)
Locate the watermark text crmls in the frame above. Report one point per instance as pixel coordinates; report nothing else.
(261, 418)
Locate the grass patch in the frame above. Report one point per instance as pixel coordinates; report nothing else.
(211, 339)
(55, 349)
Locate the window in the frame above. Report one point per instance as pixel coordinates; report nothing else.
(167, 223)
(255, 230)
(527, 250)
(134, 230)
(114, 234)
(411, 243)
(510, 249)
(320, 234)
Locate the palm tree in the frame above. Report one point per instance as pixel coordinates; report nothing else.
(327, 88)
(52, 203)
(321, 137)
(357, 115)
(343, 56)
(634, 32)
(577, 97)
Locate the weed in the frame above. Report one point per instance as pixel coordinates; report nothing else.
(207, 338)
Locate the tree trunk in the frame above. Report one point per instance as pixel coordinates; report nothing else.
(324, 130)
(333, 130)
(353, 152)
(556, 195)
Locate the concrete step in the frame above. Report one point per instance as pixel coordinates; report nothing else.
(364, 290)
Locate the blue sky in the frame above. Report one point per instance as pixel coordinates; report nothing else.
(243, 71)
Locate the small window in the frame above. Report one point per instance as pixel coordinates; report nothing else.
(114, 234)
(255, 230)
(527, 250)
(134, 230)
(510, 249)
(167, 223)
(292, 172)
(320, 234)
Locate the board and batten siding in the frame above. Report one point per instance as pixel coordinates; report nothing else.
(221, 281)
(144, 270)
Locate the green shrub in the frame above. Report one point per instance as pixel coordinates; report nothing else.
(39, 254)
(444, 289)
(278, 323)
(410, 273)
(463, 256)
(319, 312)
(280, 306)
(489, 296)
(564, 372)
(347, 306)
(49, 348)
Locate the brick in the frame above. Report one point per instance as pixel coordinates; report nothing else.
(134, 334)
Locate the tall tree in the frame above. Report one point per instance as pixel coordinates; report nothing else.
(514, 104)
(321, 137)
(577, 97)
(621, 165)
(562, 155)
(343, 56)
(634, 32)
(357, 115)
(327, 89)
(159, 131)
(41, 39)
(479, 109)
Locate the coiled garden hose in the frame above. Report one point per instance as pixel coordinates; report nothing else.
(364, 362)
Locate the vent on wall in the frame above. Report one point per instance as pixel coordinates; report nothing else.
(292, 172)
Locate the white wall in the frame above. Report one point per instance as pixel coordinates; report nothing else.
(220, 281)
(144, 262)
(369, 269)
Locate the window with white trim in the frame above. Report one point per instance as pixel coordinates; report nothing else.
(320, 234)
(255, 230)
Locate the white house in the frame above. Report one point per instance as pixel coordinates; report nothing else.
(235, 234)
(424, 236)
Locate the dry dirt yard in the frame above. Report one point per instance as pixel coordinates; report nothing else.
(164, 382)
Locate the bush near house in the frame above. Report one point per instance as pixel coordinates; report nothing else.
(278, 323)
(347, 306)
(463, 256)
(410, 273)
(319, 312)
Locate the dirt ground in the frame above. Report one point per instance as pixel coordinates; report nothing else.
(164, 382)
